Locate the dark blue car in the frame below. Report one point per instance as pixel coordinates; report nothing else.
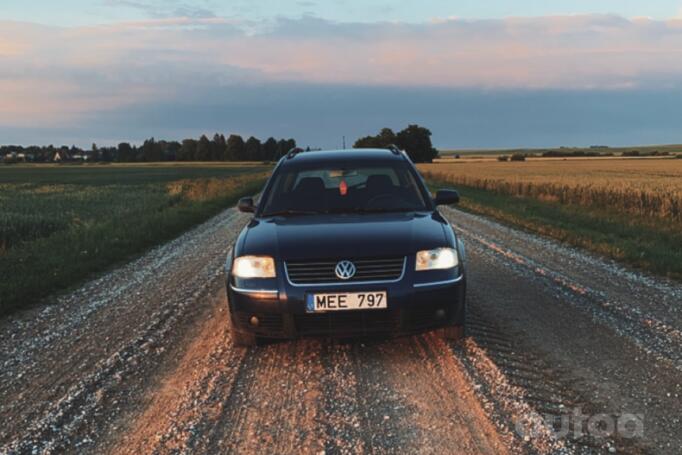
(346, 243)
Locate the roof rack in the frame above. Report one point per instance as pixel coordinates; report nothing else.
(394, 148)
(293, 152)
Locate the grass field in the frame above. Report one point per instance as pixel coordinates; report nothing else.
(61, 224)
(628, 209)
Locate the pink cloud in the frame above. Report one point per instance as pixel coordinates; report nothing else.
(54, 73)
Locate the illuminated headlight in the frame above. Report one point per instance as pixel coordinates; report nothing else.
(438, 259)
(254, 267)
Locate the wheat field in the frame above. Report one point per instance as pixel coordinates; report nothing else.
(642, 187)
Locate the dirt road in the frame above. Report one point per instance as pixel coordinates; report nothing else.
(140, 361)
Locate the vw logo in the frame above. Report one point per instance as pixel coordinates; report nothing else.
(345, 270)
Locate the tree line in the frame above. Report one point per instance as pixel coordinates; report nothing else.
(415, 140)
(219, 148)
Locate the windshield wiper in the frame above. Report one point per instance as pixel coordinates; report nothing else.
(290, 212)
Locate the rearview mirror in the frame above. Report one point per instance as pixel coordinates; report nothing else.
(246, 205)
(446, 197)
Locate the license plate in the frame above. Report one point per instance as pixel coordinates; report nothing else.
(345, 301)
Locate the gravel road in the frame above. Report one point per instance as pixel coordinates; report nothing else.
(140, 361)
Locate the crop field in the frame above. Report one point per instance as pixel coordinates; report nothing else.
(59, 224)
(625, 209)
(642, 187)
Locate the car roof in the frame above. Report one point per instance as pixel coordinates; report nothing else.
(342, 156)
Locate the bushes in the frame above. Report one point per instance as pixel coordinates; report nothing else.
(514, 157)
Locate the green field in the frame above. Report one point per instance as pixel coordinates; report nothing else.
(62, 224)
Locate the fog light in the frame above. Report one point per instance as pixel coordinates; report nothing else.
(440, 314)
(254, 321)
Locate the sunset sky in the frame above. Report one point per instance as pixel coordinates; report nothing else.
(478, 74)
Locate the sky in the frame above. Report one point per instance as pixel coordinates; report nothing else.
(477, 74)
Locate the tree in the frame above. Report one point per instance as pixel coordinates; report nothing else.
(284, 146)
(172, 150)
(106, 154)
(203, 152)
(151, 151)
(94, 152)
(218, 146)
(385, 138)
(281, 148)
(252, 149)
(125, 152)
(416, 141)
(235, 150)
(187, 150)
(270, 149)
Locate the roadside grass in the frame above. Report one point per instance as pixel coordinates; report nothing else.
(650, 244)
(61, 225)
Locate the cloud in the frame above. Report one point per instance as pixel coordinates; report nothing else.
(167, 8)
(62, 75)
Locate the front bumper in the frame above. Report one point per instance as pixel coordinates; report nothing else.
(411, 309)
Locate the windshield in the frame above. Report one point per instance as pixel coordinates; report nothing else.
(388, 187)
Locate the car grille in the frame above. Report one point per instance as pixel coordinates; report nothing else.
(323, 271)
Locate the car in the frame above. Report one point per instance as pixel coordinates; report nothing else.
(345, 244)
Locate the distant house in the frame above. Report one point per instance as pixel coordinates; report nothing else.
(61, 155)
(10, 157)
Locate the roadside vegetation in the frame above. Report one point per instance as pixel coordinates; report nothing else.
(61, 224)
(629, 210)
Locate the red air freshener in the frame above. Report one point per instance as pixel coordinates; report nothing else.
(343, 188)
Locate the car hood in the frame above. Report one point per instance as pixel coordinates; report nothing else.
(344, 236)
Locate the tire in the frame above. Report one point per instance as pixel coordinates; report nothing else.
(239, 337)
(453, 333)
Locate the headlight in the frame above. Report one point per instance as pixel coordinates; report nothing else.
(254, 267)
(438, 259)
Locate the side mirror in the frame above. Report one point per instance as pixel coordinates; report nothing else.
(246, 205)
(446, 197)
